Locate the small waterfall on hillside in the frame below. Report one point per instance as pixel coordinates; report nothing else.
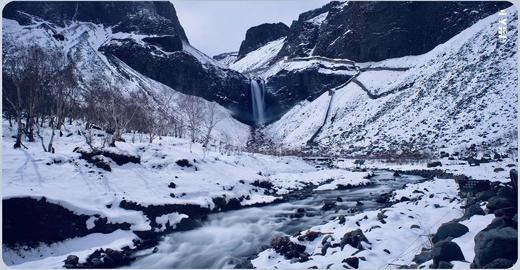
(258, 100)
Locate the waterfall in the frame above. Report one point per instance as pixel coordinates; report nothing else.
(258, 101)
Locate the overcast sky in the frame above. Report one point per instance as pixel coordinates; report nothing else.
(217, 26)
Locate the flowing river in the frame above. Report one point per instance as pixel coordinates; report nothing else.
(229, 238)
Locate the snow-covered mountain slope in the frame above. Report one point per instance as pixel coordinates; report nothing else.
(82, 41)
(259, 58)
(463, 92)
(145, 36)
(226, 59)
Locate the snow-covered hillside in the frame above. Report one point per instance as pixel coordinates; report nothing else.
(226, 59)
(82, 41)
(461, 93)
(259, 58)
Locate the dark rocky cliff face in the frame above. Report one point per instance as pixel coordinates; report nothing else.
(183, 72)
(373, 31)
(143, 17)
(260, 35)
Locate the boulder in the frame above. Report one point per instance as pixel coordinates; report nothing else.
(446, 251)
(491, 244)
(499, 263)
(472, 210)
(445, 265)
(507, 212)
(325, 247)
(506, 192)
(354, 239)
(450, 229)
(513, 174)
(484, 195)
(284, 246)
(328, 206)
(424, 256)
(71, 261)
(434, 164)
(496, 202)
(309, 236)
(352, 262)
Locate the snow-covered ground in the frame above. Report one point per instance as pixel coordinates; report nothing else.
(88, 190)
(463, 92)
(485, 171)
(64, 179)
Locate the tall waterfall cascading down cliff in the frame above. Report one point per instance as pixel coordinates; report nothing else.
(258, 100)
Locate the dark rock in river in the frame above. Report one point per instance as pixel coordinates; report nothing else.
(328, 206)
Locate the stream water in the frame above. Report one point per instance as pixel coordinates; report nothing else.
(229, 238)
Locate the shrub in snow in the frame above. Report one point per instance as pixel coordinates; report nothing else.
(183, 163)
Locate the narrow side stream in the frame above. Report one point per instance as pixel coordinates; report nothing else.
(229, 238)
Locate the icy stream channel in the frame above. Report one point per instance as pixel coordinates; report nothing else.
(229, 238)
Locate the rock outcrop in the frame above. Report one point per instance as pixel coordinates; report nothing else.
(260, 35)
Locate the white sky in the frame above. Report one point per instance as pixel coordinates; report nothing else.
(217, 26)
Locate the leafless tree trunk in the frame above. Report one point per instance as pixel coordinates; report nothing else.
(192, 109)
(211, 118)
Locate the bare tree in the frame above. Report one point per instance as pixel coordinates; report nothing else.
(211, 119)
(107, 106)
(192, 109)
(15, 71)
(31, 71)
(61, 94)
